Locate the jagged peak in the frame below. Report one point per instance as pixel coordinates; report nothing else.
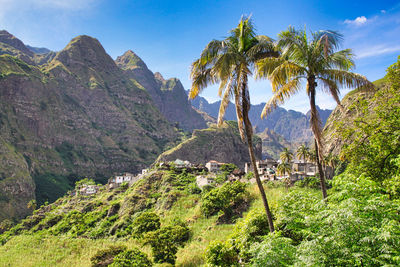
(158, 76)
(87, 50)
(130, 60)
(11, 40)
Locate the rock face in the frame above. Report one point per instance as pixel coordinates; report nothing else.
(222, 144)
(294, 126)
(77, 115)
(272, 144)
(16, 184)
(168, 95)
(332, 139)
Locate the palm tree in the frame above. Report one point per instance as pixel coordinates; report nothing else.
(283, 168)
(230, 62)
(313, 58)
(331, 161)
(302, 152)
(286, 155)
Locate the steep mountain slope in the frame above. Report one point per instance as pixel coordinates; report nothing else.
(11, 45)
(222, 144)
(292, 125)
(272, 144)
(76, 116)
(341, 118)
(168, 95)
(16, 184)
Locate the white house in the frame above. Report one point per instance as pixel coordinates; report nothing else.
(88, 189)
(214, 166)
(119, 179)
(202, 180)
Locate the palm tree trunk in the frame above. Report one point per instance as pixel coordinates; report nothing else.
(315, 126)
(248, 129)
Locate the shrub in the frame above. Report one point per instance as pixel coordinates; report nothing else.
(273, 251)
(105, 257)
(221, 254)
(132, 257)
(165, 241)
(145, 222)
(224, 199)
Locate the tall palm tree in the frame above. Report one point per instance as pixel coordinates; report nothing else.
(302, 152)
(283, 168)
(230, 62)
(286, 155)
(310, 58)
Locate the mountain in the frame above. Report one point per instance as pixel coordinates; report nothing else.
(77, 115)
(169, 95)
(273, 144)
(38, 50)
(292, 125)
(342, 118)
(222, 144)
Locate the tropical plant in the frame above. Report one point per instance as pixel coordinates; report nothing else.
(313, 58)
(230, 62)
(302, 152)
(286, 155)
(283, 168)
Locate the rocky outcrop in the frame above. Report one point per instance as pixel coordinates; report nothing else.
(76, 116)
(272, 144)
(222, 144)
(168, 95)
(340, 118)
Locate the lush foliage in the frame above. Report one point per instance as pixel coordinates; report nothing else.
(166, 240)
(375, 147)
(145, 222)
(130, 258)
(224, 199)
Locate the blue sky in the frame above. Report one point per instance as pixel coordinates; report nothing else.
(169, 35)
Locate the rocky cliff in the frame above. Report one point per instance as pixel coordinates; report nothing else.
(222, 144)
(168, 95)
(273, 144)
(74, 116)
(340, 118)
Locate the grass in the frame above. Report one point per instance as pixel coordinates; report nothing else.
(53, 251)
(43, 249)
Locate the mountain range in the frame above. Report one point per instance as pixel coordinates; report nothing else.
(78, 113)
(292, 125)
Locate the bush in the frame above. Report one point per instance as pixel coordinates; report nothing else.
(273, 251)
(165, 241)
(106, 256)
(310, 182)
(145, 222)
(224, 199)
(221, 254)
(131, 258)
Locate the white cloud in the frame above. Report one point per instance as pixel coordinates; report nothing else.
(357, 22)
(378, 50)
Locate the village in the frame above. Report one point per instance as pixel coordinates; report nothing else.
(207, 174)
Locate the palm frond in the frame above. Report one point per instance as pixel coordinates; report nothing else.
(347, 78)
(279, 97)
